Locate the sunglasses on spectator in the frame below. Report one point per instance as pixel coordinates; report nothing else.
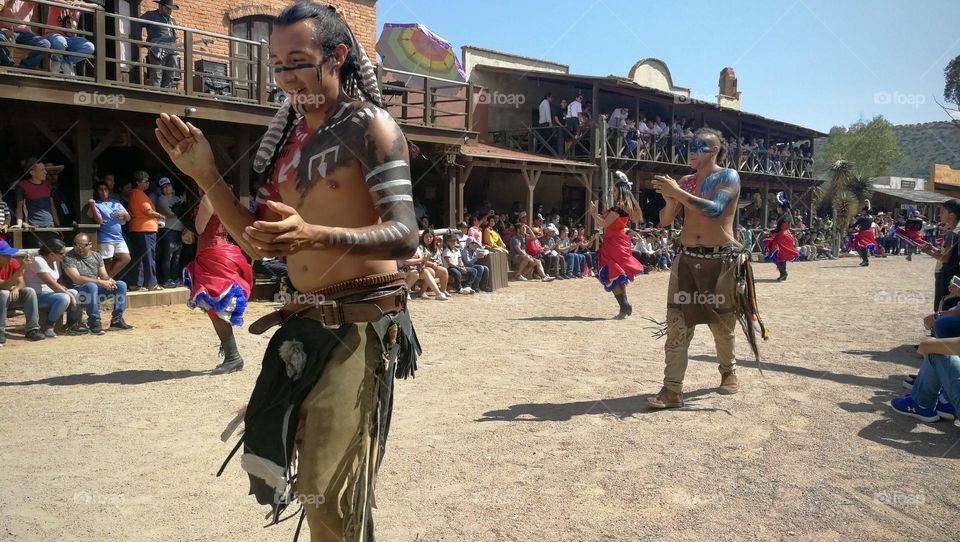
(84, 245)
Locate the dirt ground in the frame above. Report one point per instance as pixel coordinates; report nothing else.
(526, 422)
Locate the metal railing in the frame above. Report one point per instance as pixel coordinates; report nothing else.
(644, 147)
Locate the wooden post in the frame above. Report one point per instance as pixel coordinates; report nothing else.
(100, 45)
(427, 98)
(263, 74)
(532, 177)
(469, 106)
(766, 203)
(452, 197)
(588, 219)
(188, 64)
(84, 163)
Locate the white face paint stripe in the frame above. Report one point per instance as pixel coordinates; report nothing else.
(384, 167)
(391, 199)
(404, 230)
(389, 184)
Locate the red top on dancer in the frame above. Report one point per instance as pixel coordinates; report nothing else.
(220, 279)
(615, 260)
(780, 244)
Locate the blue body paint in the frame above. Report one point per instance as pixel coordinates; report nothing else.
(718, 202)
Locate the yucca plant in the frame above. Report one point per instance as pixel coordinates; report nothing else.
(842, 194)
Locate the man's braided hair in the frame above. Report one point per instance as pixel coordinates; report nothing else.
(357, 75)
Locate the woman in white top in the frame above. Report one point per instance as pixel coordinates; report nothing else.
(42, 276)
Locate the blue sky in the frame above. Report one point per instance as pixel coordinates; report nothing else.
(817, 63)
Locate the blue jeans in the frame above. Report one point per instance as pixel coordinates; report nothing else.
(89, 296)
(574, 263)
(937, 371)
(24, 38)
(58, 303)
(168, 254)
(71, 45)
(946, 327)
(144, 257)
(482, 278)
(457, 276)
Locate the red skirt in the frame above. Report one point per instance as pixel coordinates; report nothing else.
(864, 239)
(616, 263)
(781, 247)
(220, 280)
(911, 237)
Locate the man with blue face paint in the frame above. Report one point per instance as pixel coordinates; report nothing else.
(710, 280)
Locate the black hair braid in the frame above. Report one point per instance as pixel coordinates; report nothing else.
(291, 117)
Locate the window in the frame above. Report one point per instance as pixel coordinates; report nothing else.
(256, 28)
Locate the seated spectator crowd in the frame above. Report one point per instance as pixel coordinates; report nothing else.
(545, 249)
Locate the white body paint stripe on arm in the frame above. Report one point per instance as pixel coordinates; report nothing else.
(383, 167)
(390, 184)
(391, 199)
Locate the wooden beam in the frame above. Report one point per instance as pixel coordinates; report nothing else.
(57, 141)
(84, 163)
(106, 141)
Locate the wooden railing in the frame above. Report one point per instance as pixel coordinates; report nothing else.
(241, 75)
(412, 98)
(218, 67)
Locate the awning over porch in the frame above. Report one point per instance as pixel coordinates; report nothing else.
(531, 166)
(919, 197)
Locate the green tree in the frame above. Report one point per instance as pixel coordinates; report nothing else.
(871, 146)
(951, 91)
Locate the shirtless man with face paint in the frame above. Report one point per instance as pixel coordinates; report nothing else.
(710, 281)
(337, 204)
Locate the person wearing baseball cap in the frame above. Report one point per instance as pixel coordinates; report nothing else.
(158, 55)
(13, 290)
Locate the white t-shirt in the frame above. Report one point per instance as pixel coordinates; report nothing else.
(545, 111)
(32, 279)
(454, 256)
(618, 118)
(574, 109)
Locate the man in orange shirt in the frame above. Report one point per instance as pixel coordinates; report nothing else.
(143, 234)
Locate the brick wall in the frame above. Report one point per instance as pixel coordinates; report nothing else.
(216, 16)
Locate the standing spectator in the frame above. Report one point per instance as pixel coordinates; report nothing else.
(20, 10)
(168, 237)
(452, 259)
(35, 205)
(161, 37)
(111, 216)
(42, 275)
(470, 254)
(144, 223)
(84, 270)
(545, 111)
(572, 119)
(13, 290)
(65, 40)
(56, 192)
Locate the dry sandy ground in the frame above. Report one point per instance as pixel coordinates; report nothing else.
(525, 422)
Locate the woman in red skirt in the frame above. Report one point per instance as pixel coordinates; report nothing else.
(780, 245)
(219, 279)
(615, 262)
(864, 240)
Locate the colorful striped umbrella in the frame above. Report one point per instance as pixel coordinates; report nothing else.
(414, 48)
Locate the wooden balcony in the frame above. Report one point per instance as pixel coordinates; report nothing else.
(218, 77)
(664, 153)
